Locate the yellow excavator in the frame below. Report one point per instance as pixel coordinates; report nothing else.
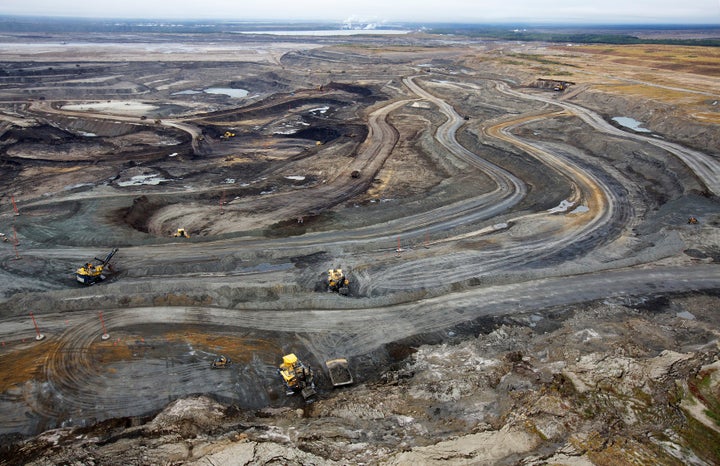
(338, 282)
(181, 233)
(89, 274)
(298, 377)
(227, 135)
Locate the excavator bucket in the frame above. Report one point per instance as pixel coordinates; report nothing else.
(308, 392)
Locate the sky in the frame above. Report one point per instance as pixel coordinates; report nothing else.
(483, 11)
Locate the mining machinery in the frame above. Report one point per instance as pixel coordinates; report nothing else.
(297, 377)
(89, 274)
(338, 282)
(221, 362)
(339, 372)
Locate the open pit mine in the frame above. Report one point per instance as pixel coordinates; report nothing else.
(250, 249)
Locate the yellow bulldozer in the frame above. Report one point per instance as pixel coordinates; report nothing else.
(297, 377)
(181, 233)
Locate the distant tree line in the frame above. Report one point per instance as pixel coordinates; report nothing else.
(497, 33)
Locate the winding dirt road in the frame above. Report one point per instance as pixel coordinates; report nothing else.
(162, 352)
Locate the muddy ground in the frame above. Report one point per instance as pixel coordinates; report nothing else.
(526, 286)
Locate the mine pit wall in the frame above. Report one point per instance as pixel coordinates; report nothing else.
(661, 118)
(100, 128)
(54, 92)
(137, 215)
(266, 108)
(147, 295)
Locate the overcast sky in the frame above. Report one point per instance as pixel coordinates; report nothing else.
(583, 11)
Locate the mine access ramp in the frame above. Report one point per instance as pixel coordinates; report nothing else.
(339, 372)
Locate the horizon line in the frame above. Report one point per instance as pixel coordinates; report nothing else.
(380, 23)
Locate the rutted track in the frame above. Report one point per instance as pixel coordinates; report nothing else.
(81, 385)
(706, 168)
(596, 195)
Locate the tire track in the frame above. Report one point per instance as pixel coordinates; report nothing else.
(79, 388)
(598, 197)
(705, 167)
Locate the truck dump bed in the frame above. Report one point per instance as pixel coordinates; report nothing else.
(339, 372)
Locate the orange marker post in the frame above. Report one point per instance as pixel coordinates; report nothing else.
(39, 335)
(105, 335)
